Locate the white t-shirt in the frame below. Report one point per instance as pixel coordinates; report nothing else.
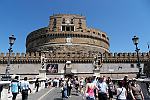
(24, 85)
(123, 93)
(103, 87)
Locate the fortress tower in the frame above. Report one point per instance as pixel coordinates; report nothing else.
(67, 33)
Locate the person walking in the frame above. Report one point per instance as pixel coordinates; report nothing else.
(110, 88)
(95, 82)
(89, 91)
(25, 88)
(103, 89)
(69, 87)
(76, 85)
(121, 92)
(126, 84)
(46, 83)
(1, 89)
(14, 86)
(37, 84)
(64, 89)
(81, 85)
(136, 91)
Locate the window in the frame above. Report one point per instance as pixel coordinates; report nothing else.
(63, 28)
(71, 21)
(63, 21)
(54, 24)
(72, 28)
(54, 21)
(103, 35)
(67, 28)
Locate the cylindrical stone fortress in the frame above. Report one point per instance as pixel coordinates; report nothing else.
(67, 33)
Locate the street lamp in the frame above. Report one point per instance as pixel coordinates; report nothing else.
(135, 40)
(7, 72)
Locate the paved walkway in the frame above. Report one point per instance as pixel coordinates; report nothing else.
(37, 95)
(51, 94)
(55, 94)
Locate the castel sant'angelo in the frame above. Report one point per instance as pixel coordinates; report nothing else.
(69, 47)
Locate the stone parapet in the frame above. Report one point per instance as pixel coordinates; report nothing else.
(75, 57)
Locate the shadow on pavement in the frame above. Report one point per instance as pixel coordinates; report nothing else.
(58, 99)
(75, 94)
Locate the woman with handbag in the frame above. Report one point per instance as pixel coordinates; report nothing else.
(136, 91)
(121, 92)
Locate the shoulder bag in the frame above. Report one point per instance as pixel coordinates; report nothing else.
(119, 94)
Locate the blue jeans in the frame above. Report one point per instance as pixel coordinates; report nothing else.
(65, 92)
(90, 98)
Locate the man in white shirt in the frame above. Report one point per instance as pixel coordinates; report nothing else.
(24, 89)
(103, 89)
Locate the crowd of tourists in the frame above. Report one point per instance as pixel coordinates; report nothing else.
(90, 88)
(102, 88)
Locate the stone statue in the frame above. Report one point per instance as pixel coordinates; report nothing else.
(42, 61)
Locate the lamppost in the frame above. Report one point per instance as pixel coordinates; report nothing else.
(135, 40)
(7, 76)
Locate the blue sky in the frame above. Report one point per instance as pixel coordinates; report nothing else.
(120, 19)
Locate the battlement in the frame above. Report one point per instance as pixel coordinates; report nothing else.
(129, 55)
(49, 54)
(81, 57)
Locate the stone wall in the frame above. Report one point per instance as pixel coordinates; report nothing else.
(75, 57)
(114, 70)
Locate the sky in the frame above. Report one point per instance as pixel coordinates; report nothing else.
(120, 19)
